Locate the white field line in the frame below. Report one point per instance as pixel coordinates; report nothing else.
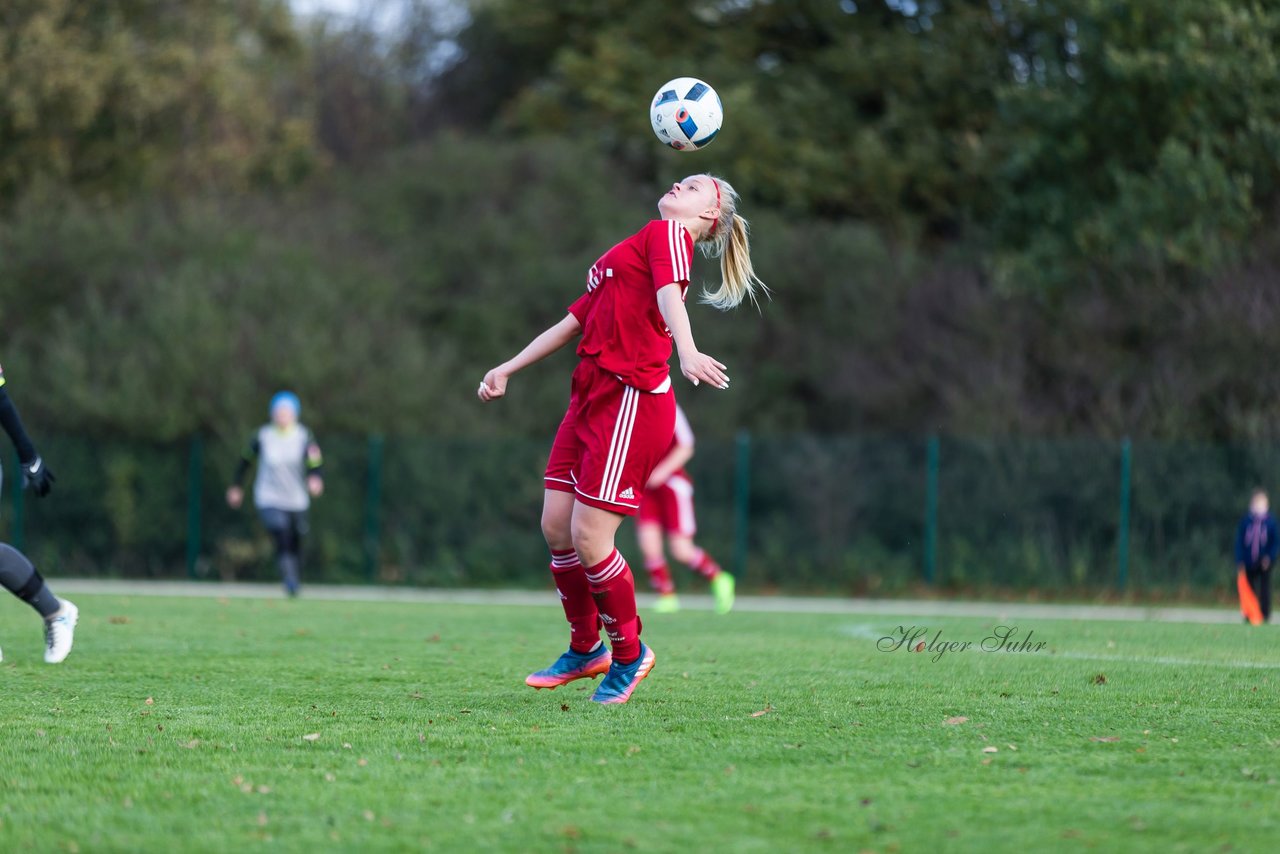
(755, 604)
(1167, 659)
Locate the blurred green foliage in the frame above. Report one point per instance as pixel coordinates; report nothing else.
(114, 96)
(1064, 139)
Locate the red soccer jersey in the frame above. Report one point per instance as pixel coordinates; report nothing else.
(622, 328)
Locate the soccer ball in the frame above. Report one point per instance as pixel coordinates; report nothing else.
(686, 114)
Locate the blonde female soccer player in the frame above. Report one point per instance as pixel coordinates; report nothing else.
(621, 416)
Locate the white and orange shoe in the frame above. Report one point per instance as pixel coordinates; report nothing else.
(570, 666)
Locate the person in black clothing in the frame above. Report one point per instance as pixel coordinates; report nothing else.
(17, 574)
(1257, 544)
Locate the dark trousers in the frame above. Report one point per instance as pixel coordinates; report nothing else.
(287, 528)
(1260, 580)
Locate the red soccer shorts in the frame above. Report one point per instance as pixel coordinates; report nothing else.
(671, 506)
(610, 440)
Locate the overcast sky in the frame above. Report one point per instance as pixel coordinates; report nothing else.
(345, 7)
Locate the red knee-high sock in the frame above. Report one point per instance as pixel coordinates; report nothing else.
(615, 593)
(575, 596)
(660, 577)
(704, 565)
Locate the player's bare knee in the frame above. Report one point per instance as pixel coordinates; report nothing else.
(592, 541)
(556, 531)
(683, 550)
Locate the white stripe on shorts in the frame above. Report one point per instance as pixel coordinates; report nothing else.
(619, 444)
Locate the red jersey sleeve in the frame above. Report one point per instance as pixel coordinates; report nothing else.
(579, 308)
(670, 251)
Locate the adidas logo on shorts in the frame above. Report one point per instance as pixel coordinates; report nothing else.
(628, 493)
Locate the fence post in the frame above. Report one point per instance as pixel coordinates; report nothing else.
(933, 460)
(1122, 536)
(17, 535)
(195, 479)
(741, 502)
(373, 508)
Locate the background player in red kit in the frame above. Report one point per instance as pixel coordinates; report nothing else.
(667, 507)
(621, 416)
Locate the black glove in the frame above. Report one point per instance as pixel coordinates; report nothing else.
(37, 477)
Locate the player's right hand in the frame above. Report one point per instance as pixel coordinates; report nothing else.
(701, 368)
(235, 497)
(493, 386)
(37, 477)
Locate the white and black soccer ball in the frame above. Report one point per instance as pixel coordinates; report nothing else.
(686, 114)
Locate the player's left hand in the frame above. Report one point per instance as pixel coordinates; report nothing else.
(493, 386)
(315, 485)
(37, 477)
(699, 367)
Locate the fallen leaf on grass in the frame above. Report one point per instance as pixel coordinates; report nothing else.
(1012, 746)
(564, 707)
(958, 719)
(192, 744)
(991, 749)
(149, 701)
(311, 736)
(1100, 679)
(766, 710)
(1104, 738)
(346, 745)
(362, 762)
(118, 620)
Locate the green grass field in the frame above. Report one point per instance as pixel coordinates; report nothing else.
(206, 724)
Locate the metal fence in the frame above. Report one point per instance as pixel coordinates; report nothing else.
(843, 514)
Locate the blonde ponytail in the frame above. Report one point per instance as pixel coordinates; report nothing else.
(729, 240)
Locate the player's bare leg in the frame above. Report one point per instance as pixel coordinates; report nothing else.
(649, 538)
(687, 552)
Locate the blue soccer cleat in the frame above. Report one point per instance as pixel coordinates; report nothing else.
(570, 666)
(622, 679)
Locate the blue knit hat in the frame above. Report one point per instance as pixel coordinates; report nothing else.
(289, 398)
